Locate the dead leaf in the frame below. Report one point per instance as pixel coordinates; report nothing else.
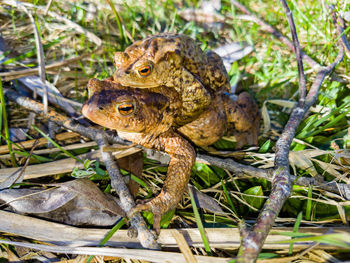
(265, 113)
(200, 16)
(206, 202)
(17, 176)
(36, 200)
(87, 189)
(81, 211)
(330, 168)
(232, 52)
(77, 202)
(299, 159)
(342, 156)
(284, 103)
(18, 134)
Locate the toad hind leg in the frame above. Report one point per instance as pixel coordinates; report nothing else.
(182, 159)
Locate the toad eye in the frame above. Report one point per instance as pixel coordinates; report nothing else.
(145, 71)
(89, 92)
(126, 108)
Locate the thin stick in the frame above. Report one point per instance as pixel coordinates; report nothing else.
(253, 239)
(302, 80)
(61, 120)
(340, 28)
(146, 238)
(48, 6)
(32, 71)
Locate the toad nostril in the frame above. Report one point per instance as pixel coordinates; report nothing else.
(100, 107)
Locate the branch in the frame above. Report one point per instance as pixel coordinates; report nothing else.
(248, 171)
(61, 120)
(253, 240)
(146, 238)
(340, 28)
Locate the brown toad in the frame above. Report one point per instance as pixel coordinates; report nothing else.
(176, 61)
(147, 117)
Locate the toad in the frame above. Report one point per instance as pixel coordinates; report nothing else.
(148, 117)
(176, 61)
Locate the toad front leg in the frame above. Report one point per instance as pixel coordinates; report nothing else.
(182, 158)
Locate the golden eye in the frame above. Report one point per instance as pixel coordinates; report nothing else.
(126, 108)
(145, 71)
(89, 92)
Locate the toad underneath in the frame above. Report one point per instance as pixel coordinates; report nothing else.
(149, 117)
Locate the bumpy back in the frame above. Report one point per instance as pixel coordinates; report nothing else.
(208, 67)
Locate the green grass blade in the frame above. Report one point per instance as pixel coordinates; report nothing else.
(295, 229)
(0, 112)
(308, 203)
(119, 22)
(335, 239)
(311, 128)
(199, 223)
(57, 145)
(108, 236)
(228, 197)
(139, 181)
(6, 128)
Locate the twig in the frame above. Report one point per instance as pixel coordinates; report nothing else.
(146, 238)
(32, 71)
(296, 45)
(248, 171)
(341, 30)
(48, 6)
(285, 40)
(253, 239)
(61, 120)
